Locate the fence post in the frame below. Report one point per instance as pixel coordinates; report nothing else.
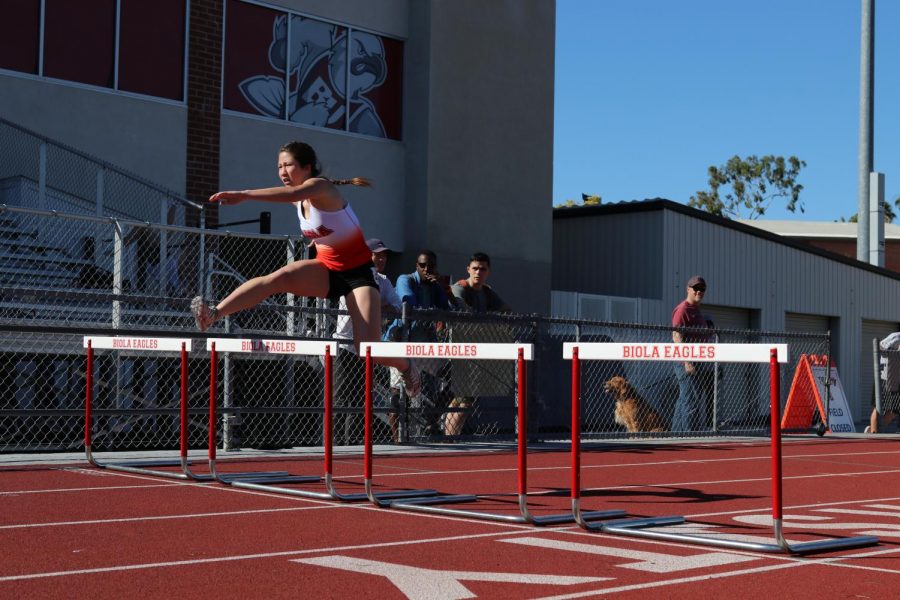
(877, 378)
(201, 273)
(230, 421)
(290, 321)
(101, 190)
(118, 266)
(163, 274)
(42, 176)
(403, 414)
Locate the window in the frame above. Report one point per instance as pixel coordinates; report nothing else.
(80, 41)
(85, 41)
(151, 47)
(297, 68)
(20, 30)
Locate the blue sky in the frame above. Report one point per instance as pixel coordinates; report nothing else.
(650, 93)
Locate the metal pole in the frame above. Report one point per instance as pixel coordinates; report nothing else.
(866, 123)
(576, 430)
(877, 378)
(184, 402)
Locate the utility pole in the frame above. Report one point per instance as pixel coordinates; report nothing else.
(866, 124)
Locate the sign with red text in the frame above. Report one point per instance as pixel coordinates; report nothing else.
(261, 346)
(730, 353)
(482, 351)
(137, 343)
(809, 395)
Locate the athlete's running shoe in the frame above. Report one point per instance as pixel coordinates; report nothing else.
(204, 315)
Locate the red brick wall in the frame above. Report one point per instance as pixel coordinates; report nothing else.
(848, 248)
(204, 88)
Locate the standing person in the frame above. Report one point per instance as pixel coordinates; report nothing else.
(349, 372)
(474, 294)
(342, 267)
(695, 380)
(890, 376)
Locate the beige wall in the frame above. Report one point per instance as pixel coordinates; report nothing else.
(146, 137)
(479, 127)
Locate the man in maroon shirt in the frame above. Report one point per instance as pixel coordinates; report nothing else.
(695, 380)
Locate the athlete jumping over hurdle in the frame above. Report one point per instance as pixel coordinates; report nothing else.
(343, 264)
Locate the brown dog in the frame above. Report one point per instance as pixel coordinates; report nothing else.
(632, 411)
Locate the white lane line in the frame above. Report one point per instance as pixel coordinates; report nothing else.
(88, 489)
(163, 517)
(200, 561)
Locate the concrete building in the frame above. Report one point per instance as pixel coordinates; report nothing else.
(630, 262)
(446, 106)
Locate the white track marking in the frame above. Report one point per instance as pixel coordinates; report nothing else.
(417, 583)
(88, 489)
(795, 563)
(285, 553)
(250, 511)
(651, 562)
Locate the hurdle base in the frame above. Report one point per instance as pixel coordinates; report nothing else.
(584, 519)
(137, 467)
(385, 499)
(431, 505)
(639, 528)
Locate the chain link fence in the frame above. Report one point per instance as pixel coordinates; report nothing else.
(886, 367)
(64, 276)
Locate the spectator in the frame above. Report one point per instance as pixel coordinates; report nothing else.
(349, 372)
(695, 380)
(425, 288)
(890, 377)
(474, 293)
(477, 296)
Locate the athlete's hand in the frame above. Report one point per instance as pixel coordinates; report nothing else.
(228, 197)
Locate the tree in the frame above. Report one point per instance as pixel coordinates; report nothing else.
(586, 200)
(751, 184)
(889, 214)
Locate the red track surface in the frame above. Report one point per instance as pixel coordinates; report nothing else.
(75, 531)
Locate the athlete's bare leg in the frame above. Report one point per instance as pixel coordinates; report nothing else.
(303, 278)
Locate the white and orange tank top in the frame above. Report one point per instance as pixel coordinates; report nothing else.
(340, 243)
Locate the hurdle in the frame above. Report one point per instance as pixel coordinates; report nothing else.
(477, 351)
(265, 481)
(142, 344)
(734, 353)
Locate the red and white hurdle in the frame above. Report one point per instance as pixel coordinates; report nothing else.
(467, 351)
(733, 353)
(266, 481)
(137, 344)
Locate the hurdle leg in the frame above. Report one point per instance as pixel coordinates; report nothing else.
(382, 499)
(643, 528)
(140, 467)
(249, 480)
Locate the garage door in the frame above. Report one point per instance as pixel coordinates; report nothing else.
(726, 317)
(870, 330)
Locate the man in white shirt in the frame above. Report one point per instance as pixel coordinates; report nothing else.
(349, 372)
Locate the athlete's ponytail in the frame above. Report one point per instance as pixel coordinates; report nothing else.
(360, 181)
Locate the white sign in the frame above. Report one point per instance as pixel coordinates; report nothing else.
(475, 351)
(153, 344)
(727, 353)
(259, 346)
(840, 420)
